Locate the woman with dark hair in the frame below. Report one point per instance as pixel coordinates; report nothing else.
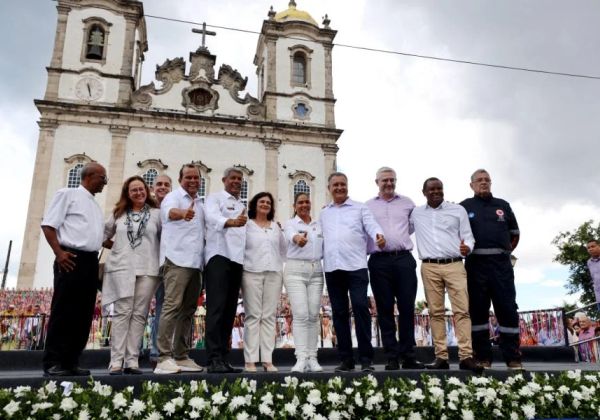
(262, 281)
(132, 232)
(304, 280)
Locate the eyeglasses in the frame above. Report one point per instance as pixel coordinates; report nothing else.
(386, 180)
(482, 180)
(137, 190)
(104, 177)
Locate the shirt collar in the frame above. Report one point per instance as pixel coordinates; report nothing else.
(85, 190)
(348, 202)
(228, 196)
(440, 207)
(299, 220)
(377, 197)
(595, 259)
(184, 193)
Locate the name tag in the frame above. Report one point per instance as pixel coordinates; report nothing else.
(231, 208)
(301, 232)
(320, 235)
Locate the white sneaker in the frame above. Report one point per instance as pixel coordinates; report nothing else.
(188, 365)
(313, 365)
(167, 367)
(300, 366)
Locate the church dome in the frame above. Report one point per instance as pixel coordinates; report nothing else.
(294, 14)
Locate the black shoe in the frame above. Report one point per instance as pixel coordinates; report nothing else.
(347, 365)
(392, 364)
(216, 366)
(77, 371)
(57, 371)
(231, 369)
(367, 367)
(132, 371)
(438, 364)
(470, 364)
(412, 363)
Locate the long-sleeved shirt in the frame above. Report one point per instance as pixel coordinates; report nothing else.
(393, 217)
(313, 250)
(77, 218)
(182, 242)
(220, 240)
(345, 231)
(265, 248)
(594, 267)
(440, 230)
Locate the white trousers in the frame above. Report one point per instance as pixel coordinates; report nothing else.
(261, 296)
(304, 286)
(129, 322)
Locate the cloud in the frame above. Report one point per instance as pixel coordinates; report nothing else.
(553, 283)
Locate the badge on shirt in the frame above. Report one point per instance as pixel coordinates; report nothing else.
(231, 208)
(320, 235)
(471, 215)
(301, 232)
(500, 214)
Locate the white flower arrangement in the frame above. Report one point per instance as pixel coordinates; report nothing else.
(570, 394)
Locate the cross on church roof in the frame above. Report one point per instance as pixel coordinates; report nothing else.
(204, 32)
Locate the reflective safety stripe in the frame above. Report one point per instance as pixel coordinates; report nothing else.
(483, 327)
(514, 232)
(489, 251)
(509, 330)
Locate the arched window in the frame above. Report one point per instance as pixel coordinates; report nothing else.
(301, 187)
(149, 176)
(244, 192)
(74, 176)
(299, 70)
(96, 38)
(202, 189)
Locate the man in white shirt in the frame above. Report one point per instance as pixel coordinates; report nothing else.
(74, 228)
(346, 226)
(444, 237)
(226, 239)
(181, 258)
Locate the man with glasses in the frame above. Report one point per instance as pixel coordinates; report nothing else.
(74, 228)
(393, 271)
(490, 275)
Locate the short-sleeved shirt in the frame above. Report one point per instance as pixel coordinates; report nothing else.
(227, 242)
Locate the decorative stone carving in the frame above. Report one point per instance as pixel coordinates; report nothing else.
(141, 98)
(79, 158)
(152, 163)
(201, 165)
(301, 174)
(233, 81)
(200, 97)
(170, 72)
(202, 60)
(244, 169)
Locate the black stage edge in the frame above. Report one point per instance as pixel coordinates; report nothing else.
(21, 368)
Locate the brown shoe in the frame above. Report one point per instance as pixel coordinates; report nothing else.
(470, 364)
(438, 364)
(515, 365)
(485, 364)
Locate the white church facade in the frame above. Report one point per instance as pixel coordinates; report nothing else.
(96, 109)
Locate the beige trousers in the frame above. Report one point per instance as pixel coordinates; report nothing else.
(261, 295)
(182, 289)
(129, 321)
(451, 277)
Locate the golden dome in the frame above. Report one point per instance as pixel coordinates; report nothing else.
(293, 14)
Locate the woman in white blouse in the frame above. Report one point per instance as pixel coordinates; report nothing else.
(303, 280)
(132, 232)
(261, 281)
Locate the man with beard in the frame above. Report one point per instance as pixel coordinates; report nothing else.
(226, 240)
(74, 228)
(490, 274)
(443, 238)
(181, 256)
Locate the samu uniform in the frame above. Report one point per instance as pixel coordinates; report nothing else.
(490, 276)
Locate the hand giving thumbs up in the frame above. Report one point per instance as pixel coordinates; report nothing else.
(380, 241)
(189, 213)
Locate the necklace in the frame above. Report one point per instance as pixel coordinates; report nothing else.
(136, 217)
(131, 218)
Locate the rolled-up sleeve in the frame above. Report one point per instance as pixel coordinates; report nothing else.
(57, 210)
(214, 216)
(370, 224)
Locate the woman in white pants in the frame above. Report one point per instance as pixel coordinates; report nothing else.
(303, 280)
(262, 281)
(132, 232)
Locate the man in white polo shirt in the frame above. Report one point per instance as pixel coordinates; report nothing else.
(74, 228)
(181, 256)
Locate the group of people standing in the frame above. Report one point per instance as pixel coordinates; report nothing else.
(167, 245)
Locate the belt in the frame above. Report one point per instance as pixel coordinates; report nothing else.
(78, 251)
(442, 261)
(392, 253)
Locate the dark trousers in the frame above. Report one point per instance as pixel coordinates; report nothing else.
(223, 281)
(394, 280)
(356, 283)
(71, 311)
(490, 278)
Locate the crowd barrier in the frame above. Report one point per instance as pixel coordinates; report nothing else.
(537, 328)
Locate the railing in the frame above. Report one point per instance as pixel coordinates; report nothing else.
(537, 328)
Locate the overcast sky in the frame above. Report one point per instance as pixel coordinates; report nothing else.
(536, 134)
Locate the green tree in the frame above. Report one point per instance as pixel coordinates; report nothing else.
(573, 253)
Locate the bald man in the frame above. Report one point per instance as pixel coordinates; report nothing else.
(74, 228)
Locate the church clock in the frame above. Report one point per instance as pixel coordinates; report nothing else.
(89, 89)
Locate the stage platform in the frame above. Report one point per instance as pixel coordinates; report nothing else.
(21, 368)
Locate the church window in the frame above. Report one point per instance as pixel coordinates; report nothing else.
(200, 97)
(299, 69)
(95, 43)
(244, 192)
(149, 176)
(301, 110)
(202, 189)
(74, 176)
(301, 187)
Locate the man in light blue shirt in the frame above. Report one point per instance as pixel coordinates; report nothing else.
(346, 226)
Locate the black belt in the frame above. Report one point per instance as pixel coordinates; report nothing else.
(392, 253)
(78, 251)
(442, 261)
